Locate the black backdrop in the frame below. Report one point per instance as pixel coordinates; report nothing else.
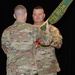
(65, 54)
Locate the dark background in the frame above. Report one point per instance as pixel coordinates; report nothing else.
(65, 54)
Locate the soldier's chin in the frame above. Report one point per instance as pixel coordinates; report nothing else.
(38, 21)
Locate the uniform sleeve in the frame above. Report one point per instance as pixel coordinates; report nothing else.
(44, 38)
(56, 38)
(5, 41)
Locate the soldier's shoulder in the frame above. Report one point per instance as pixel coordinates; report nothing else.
(8, 29)
(30, 25)
(54, 28)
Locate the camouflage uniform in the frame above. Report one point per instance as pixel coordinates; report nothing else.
(18, 43)
(46, 61)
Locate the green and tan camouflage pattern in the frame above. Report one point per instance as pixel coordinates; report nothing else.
(18, 43)
(46, 60)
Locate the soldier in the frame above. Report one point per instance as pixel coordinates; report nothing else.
(18, 43)
(46, 60)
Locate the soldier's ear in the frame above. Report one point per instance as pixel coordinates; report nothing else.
(44, 15)
(14, 16)
(25, 15)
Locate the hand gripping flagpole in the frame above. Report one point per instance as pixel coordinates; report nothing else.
(57, 13)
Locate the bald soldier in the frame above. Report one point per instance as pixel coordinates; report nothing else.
(18, 43)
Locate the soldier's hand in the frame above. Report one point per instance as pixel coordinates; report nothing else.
(48, 27)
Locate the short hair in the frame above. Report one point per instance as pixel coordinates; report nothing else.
(38, 7)
(20, 8)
